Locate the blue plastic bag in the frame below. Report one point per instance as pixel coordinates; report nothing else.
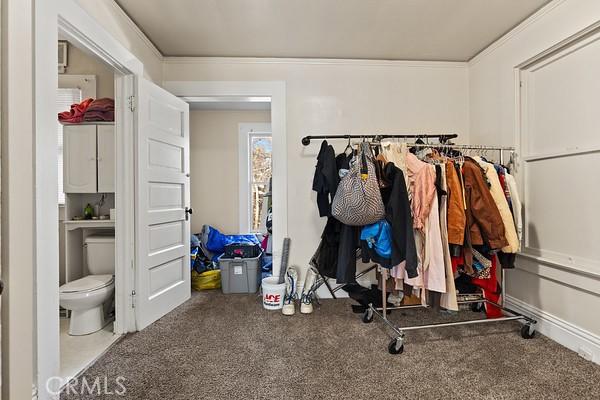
(379, 237)
(216, 240)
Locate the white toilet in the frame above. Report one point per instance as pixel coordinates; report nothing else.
(90, 298)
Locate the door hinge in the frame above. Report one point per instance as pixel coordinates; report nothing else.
(520, 83)
(132, 103)
(133, 299)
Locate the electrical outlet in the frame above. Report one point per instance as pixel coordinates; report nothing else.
(585, 354)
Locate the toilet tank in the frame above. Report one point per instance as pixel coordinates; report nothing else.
(100, 254)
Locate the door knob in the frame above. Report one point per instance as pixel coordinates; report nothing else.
(188, 211)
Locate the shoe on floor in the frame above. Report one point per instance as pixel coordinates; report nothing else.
(308, 291)
(396, 299)
(291, 291)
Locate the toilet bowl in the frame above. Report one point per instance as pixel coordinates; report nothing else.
(90, 298)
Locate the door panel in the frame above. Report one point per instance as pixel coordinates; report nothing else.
(163, 234)
(106, 159)
(79, 163)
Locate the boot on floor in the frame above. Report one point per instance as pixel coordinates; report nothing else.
(291, 291)
(308, 291)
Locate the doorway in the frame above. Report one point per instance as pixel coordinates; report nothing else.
(250, 94)
(230, 177)
(86, 207)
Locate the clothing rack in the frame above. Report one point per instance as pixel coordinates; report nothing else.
(476, 300)
(442, 137)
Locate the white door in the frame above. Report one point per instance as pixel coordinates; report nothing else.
(162, 195)
(106, 159)
(79, 159)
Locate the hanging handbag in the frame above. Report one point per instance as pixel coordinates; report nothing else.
(357, 201)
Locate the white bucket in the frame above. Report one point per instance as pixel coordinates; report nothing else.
(273, 293)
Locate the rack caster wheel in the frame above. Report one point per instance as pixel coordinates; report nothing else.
(367, 316)
(396, 346)
(527, 332)
(477, 307)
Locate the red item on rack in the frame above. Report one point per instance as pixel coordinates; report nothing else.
(75, 114)
(491, 291)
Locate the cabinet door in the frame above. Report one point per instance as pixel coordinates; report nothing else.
(79, 163)
(106, 158)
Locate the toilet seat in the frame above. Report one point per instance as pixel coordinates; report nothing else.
(87, 284)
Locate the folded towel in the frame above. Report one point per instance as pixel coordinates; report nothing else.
(100, 110)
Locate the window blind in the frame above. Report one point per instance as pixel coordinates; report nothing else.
(64, 98)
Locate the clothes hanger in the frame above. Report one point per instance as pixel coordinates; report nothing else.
(348, 147)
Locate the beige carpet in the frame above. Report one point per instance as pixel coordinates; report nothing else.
(228, 347)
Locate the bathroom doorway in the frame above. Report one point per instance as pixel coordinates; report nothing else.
(86, 171)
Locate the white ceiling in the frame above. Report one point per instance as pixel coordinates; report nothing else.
(452, 30)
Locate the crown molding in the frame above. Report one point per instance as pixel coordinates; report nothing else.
(515, 31)
(312, 61)
(151, 46)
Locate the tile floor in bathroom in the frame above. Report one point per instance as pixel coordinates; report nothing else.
(77, 352)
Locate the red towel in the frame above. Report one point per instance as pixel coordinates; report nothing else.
(76, 113)
(100, 110)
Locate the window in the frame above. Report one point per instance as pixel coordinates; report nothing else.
(65, 97)
(255, 176)
(260, 176)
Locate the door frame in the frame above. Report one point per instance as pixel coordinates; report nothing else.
(276, 90)
(68, 18)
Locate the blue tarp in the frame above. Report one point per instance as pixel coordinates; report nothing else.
(217, 241)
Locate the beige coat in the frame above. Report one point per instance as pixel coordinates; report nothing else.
(510, 231)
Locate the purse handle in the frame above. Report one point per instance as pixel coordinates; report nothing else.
(364, 169)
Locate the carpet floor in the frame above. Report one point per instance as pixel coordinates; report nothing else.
(227, 347)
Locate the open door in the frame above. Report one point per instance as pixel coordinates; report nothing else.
(162, 201)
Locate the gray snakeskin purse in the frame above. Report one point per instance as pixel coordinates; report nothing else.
(357, 201)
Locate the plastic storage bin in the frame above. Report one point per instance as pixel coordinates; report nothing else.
(240, 275)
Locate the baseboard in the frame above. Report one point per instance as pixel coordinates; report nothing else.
(583, 342)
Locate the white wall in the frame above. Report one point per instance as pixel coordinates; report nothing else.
(214, 166)
(81, 63)
(341, 97)
(119, 25)
(544, 288)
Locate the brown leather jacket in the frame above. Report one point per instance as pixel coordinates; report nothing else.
(456, 207)
(484, 223)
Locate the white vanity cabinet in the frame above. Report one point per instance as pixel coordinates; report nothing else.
(89, 158)
(105, 135)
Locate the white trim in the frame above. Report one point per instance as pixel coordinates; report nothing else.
(18, 197)
(244, 130)
(573, 43)
(313, 61)
(136, 29)
(514, 32)
(564, 153)
(563, 332)
(277, 91)
(80, 29)
(545, 262)
(85, 32)
(559, 273)
(45, 158)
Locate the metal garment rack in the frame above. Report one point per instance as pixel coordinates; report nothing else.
(476, 300)
(442, 137)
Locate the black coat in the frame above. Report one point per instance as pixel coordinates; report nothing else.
(398, 215)
(326, 178)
